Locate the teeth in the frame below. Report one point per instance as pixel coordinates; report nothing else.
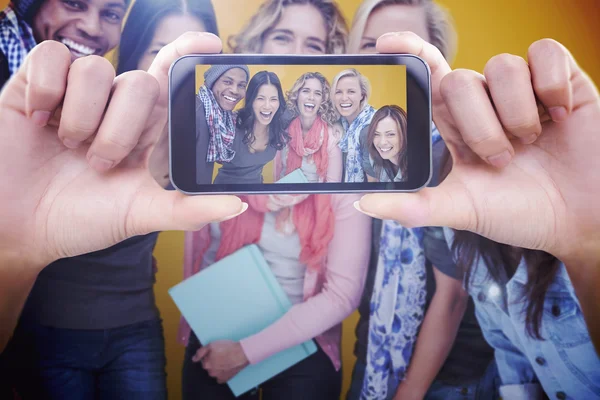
(311, 105)
(266, 114)
(385, 150)
(79, 48)
(346, 105)
(228, 98)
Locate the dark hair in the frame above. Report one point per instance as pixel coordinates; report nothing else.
(143, 19)
(278, 137)
(399, 116)
(502, 259)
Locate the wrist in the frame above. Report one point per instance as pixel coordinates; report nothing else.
(585, 253)
(241, 356)
(21, 261)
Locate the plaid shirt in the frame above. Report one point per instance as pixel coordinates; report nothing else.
(16, 39)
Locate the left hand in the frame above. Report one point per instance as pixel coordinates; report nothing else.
(222, 359)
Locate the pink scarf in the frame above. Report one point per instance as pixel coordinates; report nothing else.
(313, 145)
(309, 215)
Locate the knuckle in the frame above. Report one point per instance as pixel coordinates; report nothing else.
(77, 127)
(52, 49)
(543, 48)
(413, 35)
(504, 65)
(550, 84)
(522, 124)
(115, 142)
(458, 80)
(140, 84)
(98, 67)
(482, 137)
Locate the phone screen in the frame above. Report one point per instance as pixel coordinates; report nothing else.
(302, 127)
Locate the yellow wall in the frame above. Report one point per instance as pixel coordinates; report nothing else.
(485, 28)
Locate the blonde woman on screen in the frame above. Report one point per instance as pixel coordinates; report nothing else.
(351, 91)
(424, 17)
(293, 27)
(314, 142)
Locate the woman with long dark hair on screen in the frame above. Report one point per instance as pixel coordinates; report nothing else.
(260, 131)
(91, 328)
(387, 145)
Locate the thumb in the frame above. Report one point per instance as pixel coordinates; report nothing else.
(444, 206)
(201, 353)
(156, 209)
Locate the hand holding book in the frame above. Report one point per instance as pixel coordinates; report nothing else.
(222, 359)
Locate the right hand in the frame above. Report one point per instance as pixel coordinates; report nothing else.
(75, 151)
(517, 178)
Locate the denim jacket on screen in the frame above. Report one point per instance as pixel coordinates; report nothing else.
(565, 364)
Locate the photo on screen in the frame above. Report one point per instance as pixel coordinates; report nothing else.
(263, 124)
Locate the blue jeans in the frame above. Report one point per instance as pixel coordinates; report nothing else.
(313, 378)
(121, 363)
(486, 388)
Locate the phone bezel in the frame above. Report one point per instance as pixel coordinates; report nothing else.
(182, 123)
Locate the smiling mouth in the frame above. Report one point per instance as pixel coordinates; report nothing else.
(346, 105)
(230, 99)
(384, 150)
(266, 115)
(78, 49)
(309, 106)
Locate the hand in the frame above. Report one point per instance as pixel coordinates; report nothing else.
(517, 178)
(222, 359)
(74, 156)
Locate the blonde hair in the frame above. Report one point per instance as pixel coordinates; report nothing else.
(363, 82)
(326, 110)
(440, 24)
(250, 39)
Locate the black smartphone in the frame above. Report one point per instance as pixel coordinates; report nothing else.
(262, 124)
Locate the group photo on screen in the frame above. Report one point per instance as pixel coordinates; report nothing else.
(390, 312)
(260, 124)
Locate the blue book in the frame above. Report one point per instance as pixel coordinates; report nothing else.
(296, 176)
(232, 299)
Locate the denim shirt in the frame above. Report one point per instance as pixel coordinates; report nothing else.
(564, 365)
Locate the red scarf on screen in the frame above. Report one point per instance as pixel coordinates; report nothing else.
(311, 216)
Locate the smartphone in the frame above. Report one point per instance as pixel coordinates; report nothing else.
(269, 124)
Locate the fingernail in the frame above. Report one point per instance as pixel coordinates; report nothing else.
(40, 118)
(529, 139)
(100, 164)
(358, 208)
(71, 143)
(500, 160)
(244, 208)
(558, 113)
(195, 358)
